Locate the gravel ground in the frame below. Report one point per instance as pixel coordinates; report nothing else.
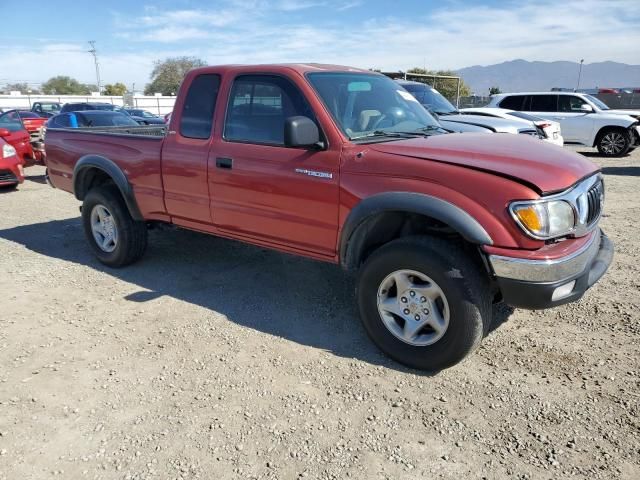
(214, 359)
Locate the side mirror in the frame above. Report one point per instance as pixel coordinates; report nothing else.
(4, 132)
(585, 107)
(301, 132)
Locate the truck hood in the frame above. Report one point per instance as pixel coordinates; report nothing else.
(545, 167)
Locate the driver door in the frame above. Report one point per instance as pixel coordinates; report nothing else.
(263, 190)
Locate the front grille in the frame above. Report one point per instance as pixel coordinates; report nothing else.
(7, 176)
(595, 196)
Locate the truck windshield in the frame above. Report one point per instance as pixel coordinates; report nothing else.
(368, 105)
(50, 107)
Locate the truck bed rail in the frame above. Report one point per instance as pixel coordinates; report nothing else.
(142, 130)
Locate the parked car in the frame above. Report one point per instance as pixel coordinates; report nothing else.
(144, 117)
(344, 165)
(91, 118)
(457, 121)
(46, 109)
(11, 165)
(584, 119)
(551, 130)
(13, 131)
(31, 121)
(81, 106)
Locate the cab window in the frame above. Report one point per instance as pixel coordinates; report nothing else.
(197, 113)
(258, 107)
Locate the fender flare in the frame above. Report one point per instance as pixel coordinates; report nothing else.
(463, 223)
(89, 162)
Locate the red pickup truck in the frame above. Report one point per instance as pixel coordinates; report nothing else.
(344, 165)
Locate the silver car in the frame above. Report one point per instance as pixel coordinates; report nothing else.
(456, 121)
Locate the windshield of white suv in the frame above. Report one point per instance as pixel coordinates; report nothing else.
(598, 103)
(370, 105)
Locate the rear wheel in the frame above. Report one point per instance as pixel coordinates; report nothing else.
(424, 302)
(116, 239)
(614, 142)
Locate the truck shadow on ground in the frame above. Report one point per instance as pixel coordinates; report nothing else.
(304, 301)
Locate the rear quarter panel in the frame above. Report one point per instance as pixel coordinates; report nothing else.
(137, 156)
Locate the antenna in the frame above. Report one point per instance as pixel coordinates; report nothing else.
(94, 52)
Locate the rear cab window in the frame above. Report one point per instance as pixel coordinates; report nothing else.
(196, 120)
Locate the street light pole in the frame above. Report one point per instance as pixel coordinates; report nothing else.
(94, 52)
(579, 75)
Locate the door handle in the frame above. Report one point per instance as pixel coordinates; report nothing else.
(222, 162)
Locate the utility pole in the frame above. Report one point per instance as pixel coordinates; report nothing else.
(95, 59)
(579, 75)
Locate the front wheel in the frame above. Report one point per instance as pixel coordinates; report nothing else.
(116, 239)
(614, 143)
(424, 302)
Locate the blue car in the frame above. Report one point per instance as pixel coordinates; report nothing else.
(91, 118)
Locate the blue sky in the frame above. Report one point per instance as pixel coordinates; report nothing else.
(389, 35)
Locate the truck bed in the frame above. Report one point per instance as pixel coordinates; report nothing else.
(135, 150)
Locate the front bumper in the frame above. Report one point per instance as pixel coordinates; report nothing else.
(539, 284)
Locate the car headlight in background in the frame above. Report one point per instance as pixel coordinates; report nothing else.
(544, 219)
(8, 151)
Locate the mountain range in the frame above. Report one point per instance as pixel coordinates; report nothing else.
(521, 75)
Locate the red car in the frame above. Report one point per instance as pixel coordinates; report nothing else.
(28, 144)
(31, 121)
(343, 165)
(11, 165)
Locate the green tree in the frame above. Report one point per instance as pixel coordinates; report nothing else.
(63, 85)
(116, 89)
(167, 74)
(446, 86)
(494, 90)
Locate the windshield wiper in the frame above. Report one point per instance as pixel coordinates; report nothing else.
(452, 112)
(383, 133)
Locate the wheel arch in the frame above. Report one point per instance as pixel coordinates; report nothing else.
(391, 210)
(93, 170)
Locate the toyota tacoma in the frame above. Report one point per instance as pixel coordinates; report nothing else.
(344, 165)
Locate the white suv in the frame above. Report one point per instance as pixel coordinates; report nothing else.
(584, 119)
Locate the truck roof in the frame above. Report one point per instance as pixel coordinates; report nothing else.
(300, 68)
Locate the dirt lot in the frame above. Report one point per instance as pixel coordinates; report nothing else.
(212, 359)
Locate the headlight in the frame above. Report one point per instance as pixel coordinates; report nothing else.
(544, 219)
(8, 150)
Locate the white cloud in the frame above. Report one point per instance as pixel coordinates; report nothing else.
(249, 31)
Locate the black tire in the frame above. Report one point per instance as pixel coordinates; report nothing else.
(614, 142)
(132, 235)
(460, 279)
